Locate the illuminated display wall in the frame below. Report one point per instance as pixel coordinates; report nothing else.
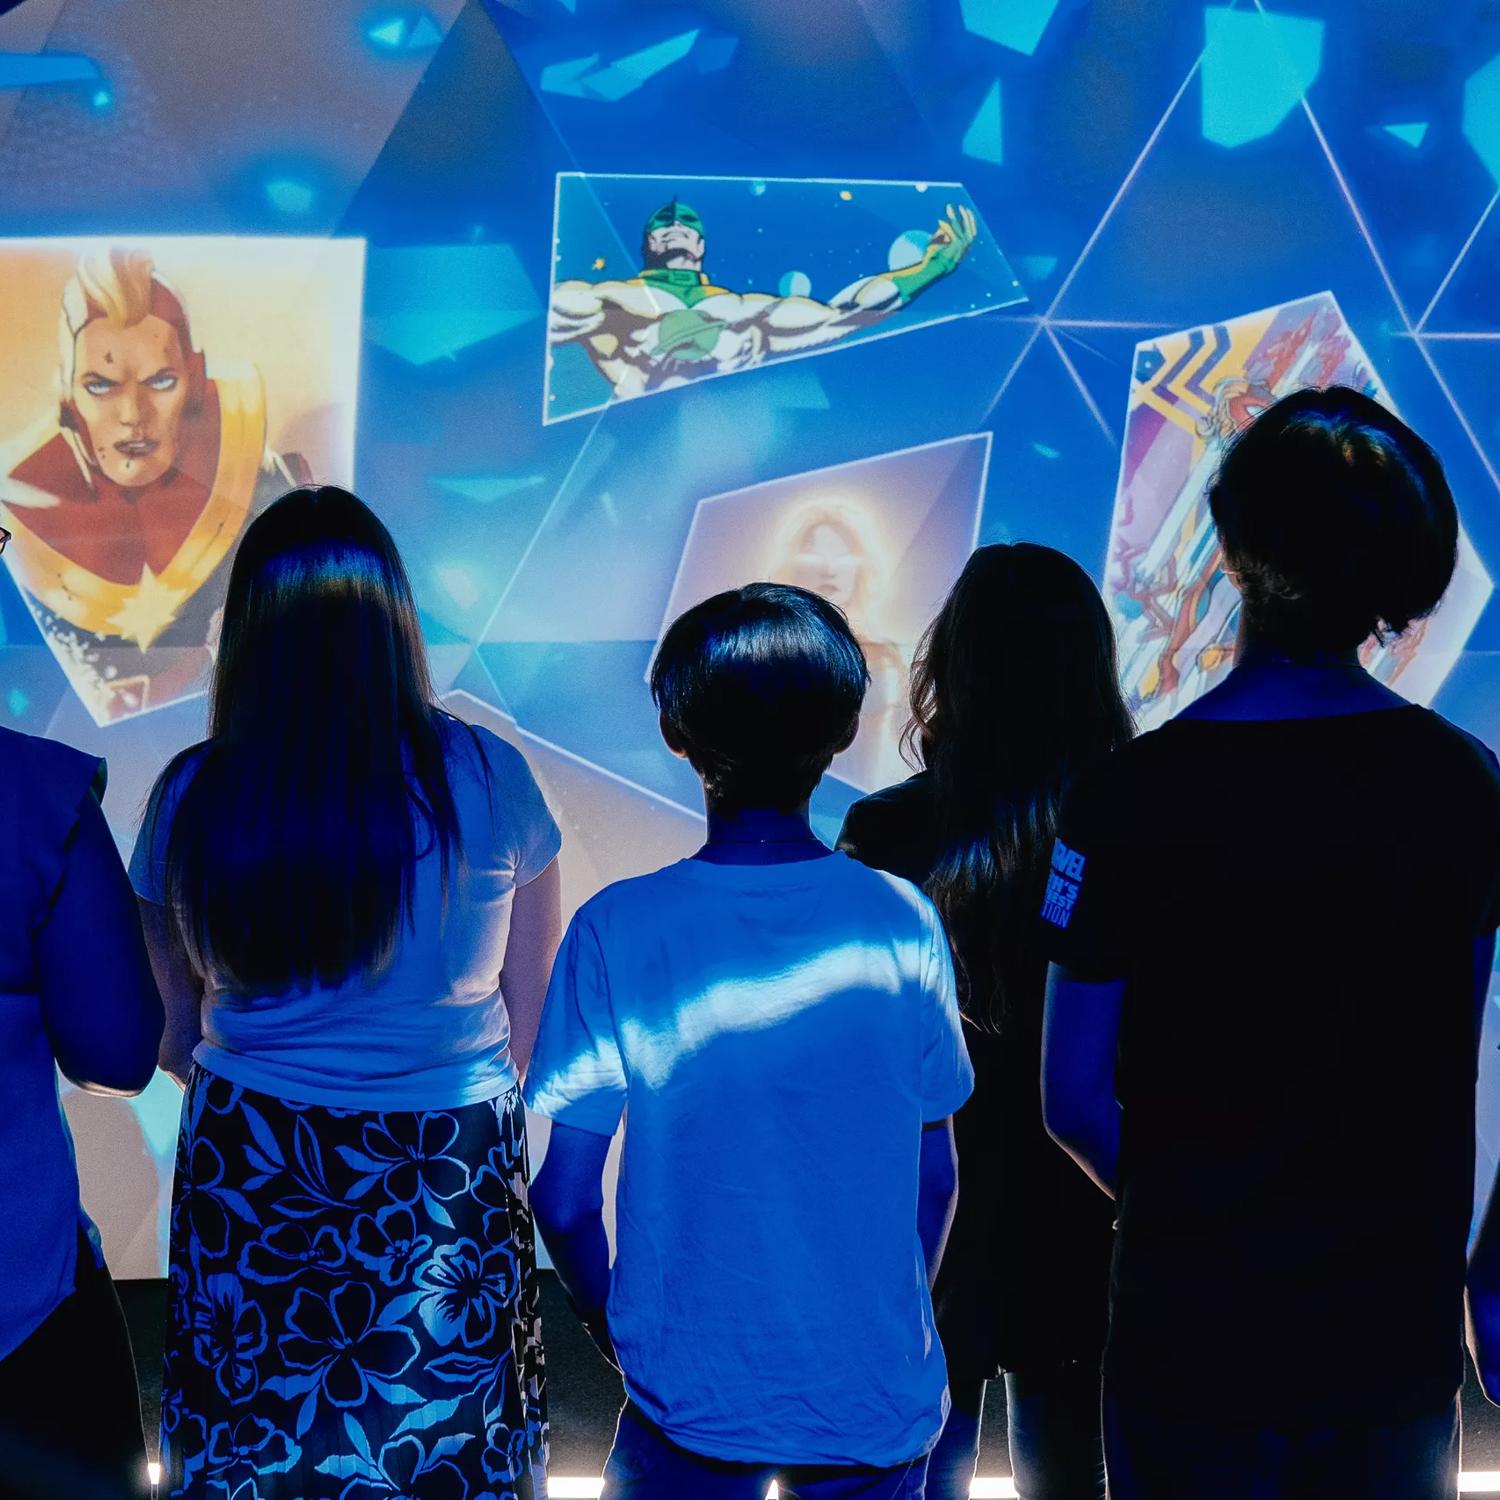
(607, 304)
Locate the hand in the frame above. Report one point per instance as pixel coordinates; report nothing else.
(952, 239)
(1483, 1315)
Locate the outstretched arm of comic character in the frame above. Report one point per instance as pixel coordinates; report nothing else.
(578, 309)
(794, 323)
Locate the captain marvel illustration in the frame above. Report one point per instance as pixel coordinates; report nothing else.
(124, 518)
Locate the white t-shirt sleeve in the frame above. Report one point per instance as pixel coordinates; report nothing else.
(947, 1073)
(148, 859)
(577, 1075)
(527, 831)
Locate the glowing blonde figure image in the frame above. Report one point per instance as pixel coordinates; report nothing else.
(832, 549)
(126, 513)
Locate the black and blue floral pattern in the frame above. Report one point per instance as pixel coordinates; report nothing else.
(352, 1304)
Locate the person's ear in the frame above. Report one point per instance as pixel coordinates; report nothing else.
(670, 738)
(849, 735)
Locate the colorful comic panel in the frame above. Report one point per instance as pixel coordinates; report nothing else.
(1175, 611)
(659, 282)
(883, 538)
(155, 395)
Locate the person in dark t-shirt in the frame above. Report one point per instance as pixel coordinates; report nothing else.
(1270, 924)
(1015, 689)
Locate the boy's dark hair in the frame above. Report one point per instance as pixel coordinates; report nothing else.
(1337, 518)
(761, 686)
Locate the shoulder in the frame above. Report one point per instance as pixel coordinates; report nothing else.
(481, 751)
(915, 794)
(625, 914)
(877, 890)
(167, 790)
(895, 828)
(36, 762)
(1467, 752)
(43, 787)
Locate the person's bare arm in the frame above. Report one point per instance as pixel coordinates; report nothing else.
(937, 1195)
(567, 1197)
(1483, 1299)
(99, 1006)
(535, 932)
(181, 992)
(1080, 1040)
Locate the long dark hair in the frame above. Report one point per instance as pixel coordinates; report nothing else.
(1015, 688)
(291, 851)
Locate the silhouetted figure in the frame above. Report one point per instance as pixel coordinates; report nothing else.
(1015, 691)
(1271, 924)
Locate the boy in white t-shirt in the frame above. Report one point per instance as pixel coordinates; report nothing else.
(781, 1024)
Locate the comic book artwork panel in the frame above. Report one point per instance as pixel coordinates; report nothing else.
(155, 394)
(1175, 611)
(662, 281)
(883, 538)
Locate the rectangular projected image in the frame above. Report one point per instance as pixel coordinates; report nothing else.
(661, 282)
(156, 393)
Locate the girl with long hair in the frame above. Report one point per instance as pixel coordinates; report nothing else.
(351, 901)
(1013, 692)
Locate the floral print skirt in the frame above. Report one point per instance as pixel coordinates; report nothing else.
(352, 1309)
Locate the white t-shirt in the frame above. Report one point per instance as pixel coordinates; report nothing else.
(779, 1035)
(431, 1032)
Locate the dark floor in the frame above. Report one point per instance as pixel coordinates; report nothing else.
(584, 1392)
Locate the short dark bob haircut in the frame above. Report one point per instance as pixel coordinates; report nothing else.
(761, 686)
(1337, 519)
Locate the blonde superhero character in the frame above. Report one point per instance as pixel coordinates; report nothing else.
(670, 324)
(828, 548)
(125, 517)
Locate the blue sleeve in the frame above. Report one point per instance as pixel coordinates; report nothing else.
(148, 859)
(577, 1073)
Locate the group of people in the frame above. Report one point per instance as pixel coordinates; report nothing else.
(1193, 1018)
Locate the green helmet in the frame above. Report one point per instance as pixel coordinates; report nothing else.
(674, 213)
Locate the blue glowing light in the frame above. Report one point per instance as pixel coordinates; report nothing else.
(984, 139)
(24, 70)
(390, 35)
(1482, 115)
(1409, 135)
(289, 196)
(1037, 267)
(17, 702)
(428, 302)
(403, 32)
(1017, 24)
(584, 78)
(1256, 67)
(102, 99)
(488, 488)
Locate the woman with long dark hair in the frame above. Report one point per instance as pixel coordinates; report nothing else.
(351, 900)
(1013, 692)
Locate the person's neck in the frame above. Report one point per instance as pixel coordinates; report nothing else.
(759, 836)
(1258, 653)
(1274, 680)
